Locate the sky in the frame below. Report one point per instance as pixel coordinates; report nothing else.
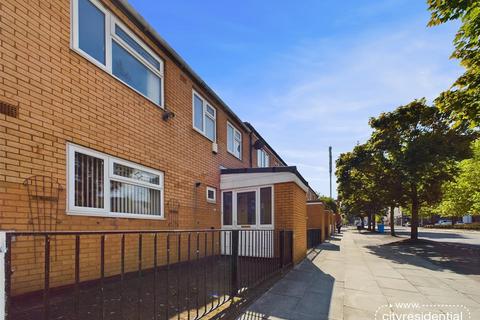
(309, 74)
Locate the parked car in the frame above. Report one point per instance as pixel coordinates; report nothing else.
(444, 222)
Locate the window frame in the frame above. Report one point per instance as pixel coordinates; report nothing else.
(262, 158)
(110, 21)
(257, 224)
(108, 176)
(235, 130)
(214, 200)
(205, 114)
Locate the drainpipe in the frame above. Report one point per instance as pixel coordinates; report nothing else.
(250, 149)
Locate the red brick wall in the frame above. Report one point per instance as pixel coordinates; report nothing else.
(315, 213)
(63, 97)
(291, 214)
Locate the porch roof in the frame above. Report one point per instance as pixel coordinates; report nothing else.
(248, 177)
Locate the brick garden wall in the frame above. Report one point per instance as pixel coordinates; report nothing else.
(290, 213)
(315, 215)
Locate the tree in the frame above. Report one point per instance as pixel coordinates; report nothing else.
(330, 203)
(462, 101)
(462, 195)
(359, 178)
(422, 147)
(392, 183)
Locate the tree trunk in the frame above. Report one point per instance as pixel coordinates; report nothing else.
(373, 222)
(392, 221)
(415, 209)
(453, 221)
(369, 222)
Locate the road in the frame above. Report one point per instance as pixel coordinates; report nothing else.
(443, 235)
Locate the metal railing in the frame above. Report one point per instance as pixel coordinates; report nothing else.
(141, 274)
(314, 237)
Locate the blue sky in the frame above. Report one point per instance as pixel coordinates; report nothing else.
(311, 75)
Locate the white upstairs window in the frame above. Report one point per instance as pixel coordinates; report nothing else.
(102, 185)
(101, 38)
(263, 159)
(234, 141)
(204, 117)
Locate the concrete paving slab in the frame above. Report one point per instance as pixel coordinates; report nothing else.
(289, 288)
(391, 283)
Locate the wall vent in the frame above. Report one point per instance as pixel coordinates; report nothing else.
(8, 109)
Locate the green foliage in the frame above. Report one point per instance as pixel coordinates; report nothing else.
(462, 195)
(462, 101)
(359, 177)
(422, 148)
(329, 203)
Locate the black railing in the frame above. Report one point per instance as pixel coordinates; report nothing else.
(137, 274)
(314, 237)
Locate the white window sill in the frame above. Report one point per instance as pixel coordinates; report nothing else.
(104, 69)
(233, 154)
(116, 215)
(203, 135)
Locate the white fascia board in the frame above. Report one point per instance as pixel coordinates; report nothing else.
(243, 180)
(310, 203)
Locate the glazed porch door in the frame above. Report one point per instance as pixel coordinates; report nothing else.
(249, 210)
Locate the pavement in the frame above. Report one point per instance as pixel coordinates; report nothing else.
(369, 276)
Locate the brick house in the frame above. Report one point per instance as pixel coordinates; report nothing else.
(110, 129)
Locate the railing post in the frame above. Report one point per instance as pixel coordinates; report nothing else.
(234, 269)
(4, 274)
(282, 247)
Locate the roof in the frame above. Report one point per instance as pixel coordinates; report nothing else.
(252, 128)
(291, 169)
(146, 28)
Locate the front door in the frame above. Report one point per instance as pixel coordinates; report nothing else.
(249, 210)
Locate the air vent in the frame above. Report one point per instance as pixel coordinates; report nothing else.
(8, 109)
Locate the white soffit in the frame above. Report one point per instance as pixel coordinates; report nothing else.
(244, 180)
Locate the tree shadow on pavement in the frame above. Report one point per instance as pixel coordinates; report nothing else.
(433, 235)
(457, 257)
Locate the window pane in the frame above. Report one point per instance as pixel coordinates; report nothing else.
(88, 181)
(230, 138)
(91, 30)
(227, 208)
(137, 47)
(128, 198)
(211, 111)
(246, 208)
(210, 128)
(267, 160)
(198, 112)
(137, 174)
(237, 149)
(134, 73)
(210, 194)
(266, 205)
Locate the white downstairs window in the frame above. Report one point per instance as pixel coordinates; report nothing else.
(101, 38)
(263, 159)
(102, 185)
